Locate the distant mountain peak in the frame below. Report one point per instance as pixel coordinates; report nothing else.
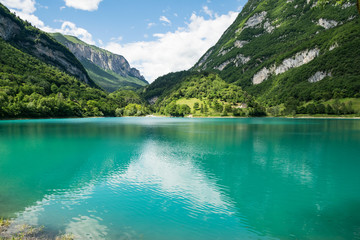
(111, 71)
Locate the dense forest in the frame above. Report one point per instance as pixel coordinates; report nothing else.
(207, 94)
(33, 86)
(30, 88)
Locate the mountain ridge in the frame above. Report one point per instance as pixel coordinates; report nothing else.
(111, 71)
(39, 44)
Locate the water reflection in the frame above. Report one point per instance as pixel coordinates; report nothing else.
(188, 179)
(172, 172)
(160, 185)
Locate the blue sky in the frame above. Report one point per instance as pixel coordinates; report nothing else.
(156, 37)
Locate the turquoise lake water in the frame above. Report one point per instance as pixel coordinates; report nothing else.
(169, 178)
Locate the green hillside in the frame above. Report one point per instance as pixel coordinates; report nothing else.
(32, 89)
(270, 35)
(206, 94)
(109, 80)
(162, 86)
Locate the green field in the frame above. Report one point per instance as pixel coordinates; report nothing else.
(355, 103)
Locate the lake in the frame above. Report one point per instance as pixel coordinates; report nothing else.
(174, 178)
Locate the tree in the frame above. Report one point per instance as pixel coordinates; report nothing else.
(238, 112)
(196, 106)
(119, 112)
(174, 110)
(228, 108)
(206, 109)
(329, 109)
(291, 105)
(311, 108)
(320, 108)
(185, 109)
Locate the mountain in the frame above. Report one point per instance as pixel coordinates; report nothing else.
(110, 71)
(290, 49)
(291, 56)
(40, 78)
(30, 40)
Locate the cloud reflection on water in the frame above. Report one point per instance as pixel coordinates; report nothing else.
(170, 175)
(162, 168)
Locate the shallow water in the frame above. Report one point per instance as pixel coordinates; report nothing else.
(169, 178)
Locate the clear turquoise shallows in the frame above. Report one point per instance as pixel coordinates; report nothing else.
(169, 178)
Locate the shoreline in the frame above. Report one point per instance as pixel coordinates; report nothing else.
(189, 117)
(10, 230)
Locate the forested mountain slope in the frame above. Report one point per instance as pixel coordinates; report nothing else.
(28, 39)
(279, 50)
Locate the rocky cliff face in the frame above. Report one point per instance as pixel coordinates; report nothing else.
(100, 57)
(8, 29)
(38, 44)
(104, 60)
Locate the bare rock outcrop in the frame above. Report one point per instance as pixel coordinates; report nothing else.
(298, 60)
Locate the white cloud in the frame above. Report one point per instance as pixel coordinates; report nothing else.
(174, 51)
(70, 28)
(165, 20)
(207, 11)
(116, 39)
(25, 10)
(150, 25)
(25, 6)
(87, 5)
